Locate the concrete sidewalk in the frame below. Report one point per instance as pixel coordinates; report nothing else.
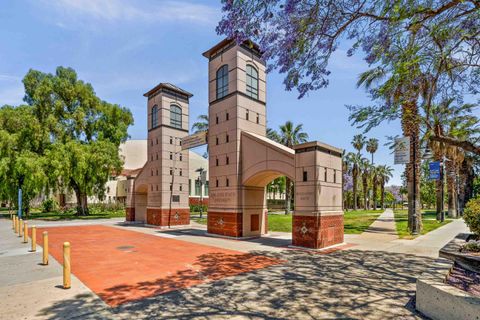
(29, 290)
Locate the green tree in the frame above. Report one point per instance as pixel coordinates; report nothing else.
(354, 161)
(358, 142)
(372, 146)
(201, 124)
(365, 172)
(80, 133)
(384, 174)
(289, 136)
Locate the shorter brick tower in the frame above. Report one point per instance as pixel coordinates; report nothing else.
(159, 194)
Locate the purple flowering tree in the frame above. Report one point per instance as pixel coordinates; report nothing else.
(420, 52)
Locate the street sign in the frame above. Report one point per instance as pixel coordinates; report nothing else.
(203, 177)
(194, 140)
(434, 170)
(402, 150)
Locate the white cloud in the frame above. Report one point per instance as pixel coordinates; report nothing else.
(126, 11)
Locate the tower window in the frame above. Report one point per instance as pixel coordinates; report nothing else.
(226, 116)
(252, 82)
(181, 188)
(216, 162)
(247, 115)
(305, 176)
(171, 156)
(171, 187)
(258, 118)
(156, 187)
(222, 81)
(334, 176)
(151, 172)
(171, 171)
(216, 120)
(180, 172)
(154, 116)
(227, 182)
(227, 138)
(227, 160)
(325, 175)
(181, 157)
(171, 140)
(216, 182)
(175, 116)
(216, 141)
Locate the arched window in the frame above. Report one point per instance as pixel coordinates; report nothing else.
(252, 82)
(222, 81)
(175, 116)
(154, 117)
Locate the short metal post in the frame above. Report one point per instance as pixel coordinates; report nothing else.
(66, 265)
(20, 228)
(25, 232)
(45, 248)
(34, 238)
(16, 224)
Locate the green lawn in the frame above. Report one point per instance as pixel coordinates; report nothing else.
(203, 220)
(94, 214)
(428, 219)
(355, 221)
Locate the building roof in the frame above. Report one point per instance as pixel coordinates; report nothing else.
(226, 43)
(169, 86)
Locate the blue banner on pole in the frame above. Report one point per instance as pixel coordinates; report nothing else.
(434, 170)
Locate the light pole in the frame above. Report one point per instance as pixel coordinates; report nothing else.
(200, 180)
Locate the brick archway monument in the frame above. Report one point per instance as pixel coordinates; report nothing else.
(242, 161)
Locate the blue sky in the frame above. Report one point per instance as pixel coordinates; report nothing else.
(124, 48)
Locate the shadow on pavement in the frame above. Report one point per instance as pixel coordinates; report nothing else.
(349, 284)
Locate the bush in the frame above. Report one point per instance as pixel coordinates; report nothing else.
(49, 205)
(471, 215)
(197, 207)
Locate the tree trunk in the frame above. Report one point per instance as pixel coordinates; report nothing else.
(288, 193)
(365, 193)
(82, 203)
(451, 189)
(374, 194)
(411, 129)
(382, 196)
(355, 192)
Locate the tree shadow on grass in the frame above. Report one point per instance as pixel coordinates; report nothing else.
(350, 284)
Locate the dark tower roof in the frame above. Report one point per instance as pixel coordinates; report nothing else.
(168, 87)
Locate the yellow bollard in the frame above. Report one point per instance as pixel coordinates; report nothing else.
(66, 265)
(34, 238)
(25, 232)
(45, 248)
(20, 228)
(16, 224)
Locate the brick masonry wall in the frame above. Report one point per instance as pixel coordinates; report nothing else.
(165, 217)
(130, 214)
(225, 223)
(317, 232)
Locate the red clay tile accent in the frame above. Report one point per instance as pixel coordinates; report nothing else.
(317, 232)
(122, 265)
(167, 217)
(130, 214)
(225, 223)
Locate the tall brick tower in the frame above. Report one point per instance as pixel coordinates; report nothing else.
(237, 102)
(159, 194)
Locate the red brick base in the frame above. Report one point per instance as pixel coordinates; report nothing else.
(130, 214)
(317, 232)
(225, 223)
(167, 217)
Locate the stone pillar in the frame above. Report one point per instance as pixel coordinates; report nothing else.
(318, 215)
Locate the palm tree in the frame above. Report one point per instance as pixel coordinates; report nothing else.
(201, 124)
(365, 170)
(372, 146)
(375, 179)
(354, 160)
(400, 93)
(289, 136)
(273, 135)
(384, 173)
(358, 142)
